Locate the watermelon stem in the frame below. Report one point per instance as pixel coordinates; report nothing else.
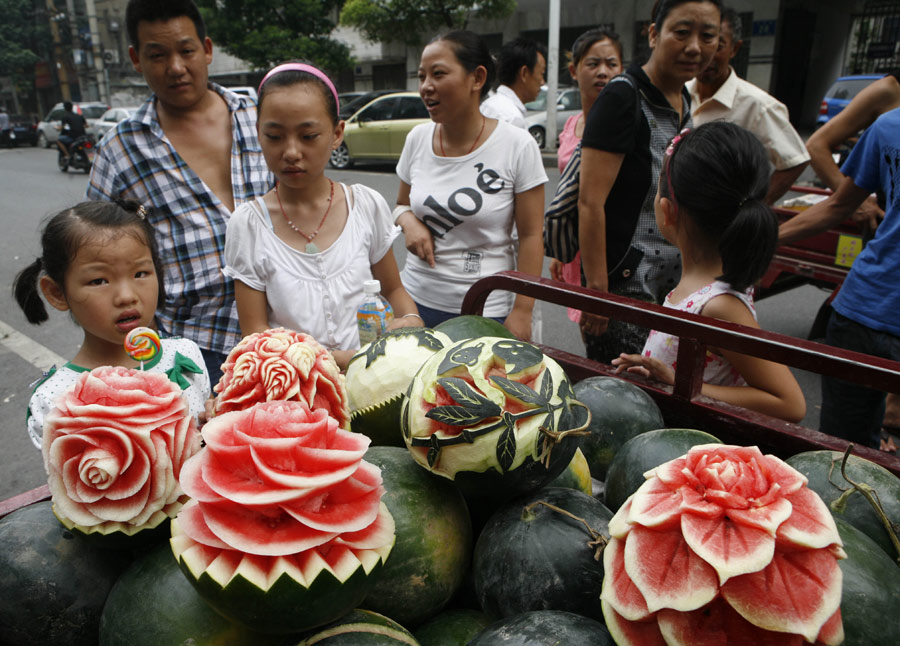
(552, 438)
(598, 541)
(872, 496)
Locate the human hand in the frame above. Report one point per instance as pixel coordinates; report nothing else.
(519, 323)
(556, 269)
(646, 366)
(418, 238)
(869, 214)
(593, 324)
(342, 358)
(406, 321)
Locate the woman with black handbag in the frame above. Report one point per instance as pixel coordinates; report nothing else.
(622, 151)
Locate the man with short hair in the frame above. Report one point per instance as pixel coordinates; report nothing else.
(192, 153)
(520, 74)
(718, 93)
(72, 126)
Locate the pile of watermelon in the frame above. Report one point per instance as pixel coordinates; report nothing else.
(479, 497)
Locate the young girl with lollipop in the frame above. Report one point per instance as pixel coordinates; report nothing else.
(99, 262)
(300, 253)
(466, 181)
(711, 205)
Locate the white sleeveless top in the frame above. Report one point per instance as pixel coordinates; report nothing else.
(718, 370)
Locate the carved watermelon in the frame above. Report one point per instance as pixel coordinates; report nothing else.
(495, 415)
(379, 375)
(723, 546)
(362, 628)
(286, 526)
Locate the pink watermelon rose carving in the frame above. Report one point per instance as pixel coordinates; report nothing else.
(114, 448)
(280, 364)
(280, 492)
(723, 546)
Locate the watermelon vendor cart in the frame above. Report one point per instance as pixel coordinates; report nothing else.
(682, 405)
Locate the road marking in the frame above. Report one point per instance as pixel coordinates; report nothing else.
(33, 352)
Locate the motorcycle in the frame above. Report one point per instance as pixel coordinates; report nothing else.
(81, 155)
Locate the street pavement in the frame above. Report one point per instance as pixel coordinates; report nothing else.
(33, 189)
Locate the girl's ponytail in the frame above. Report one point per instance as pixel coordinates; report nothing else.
(719, 175)
(28, 294)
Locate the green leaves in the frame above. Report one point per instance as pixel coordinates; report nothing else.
(472, 408)
(506, 445)
(520, 391)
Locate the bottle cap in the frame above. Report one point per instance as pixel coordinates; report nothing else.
(372, 286)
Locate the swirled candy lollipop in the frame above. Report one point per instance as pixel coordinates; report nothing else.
(142, 344)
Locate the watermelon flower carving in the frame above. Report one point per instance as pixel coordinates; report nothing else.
(286, 521)
(723, 546)
(114, 447)
(280, 364)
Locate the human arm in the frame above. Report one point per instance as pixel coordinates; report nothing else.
(599, 170)
(771, 388)
(782, 180)
(418, 238)
(252, 308)
(529, 216)
(406, 314)
(824, 215)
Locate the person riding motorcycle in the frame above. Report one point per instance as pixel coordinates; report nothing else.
(73, 127)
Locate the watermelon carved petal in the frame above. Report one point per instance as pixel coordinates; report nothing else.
(667, 571)
(798, 592)
(727, 546)
(811, 525)
(620, 524)
(718, 625)
(655, 504)
(618, 590)
(767, 517)
(631, 633)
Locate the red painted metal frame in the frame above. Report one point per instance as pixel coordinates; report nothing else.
(682, 405)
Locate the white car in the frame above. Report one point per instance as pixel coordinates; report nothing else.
(48, 128)
(109, 120)
(568, 102)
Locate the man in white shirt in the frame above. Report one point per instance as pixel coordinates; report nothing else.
(520, 74)
(718, 93)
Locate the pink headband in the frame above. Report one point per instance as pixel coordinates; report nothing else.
(303, 67)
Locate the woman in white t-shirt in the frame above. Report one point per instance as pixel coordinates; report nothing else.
(467, 183)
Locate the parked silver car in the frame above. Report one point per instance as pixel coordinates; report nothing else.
(108, 121)
(568, 102)
(48, 128)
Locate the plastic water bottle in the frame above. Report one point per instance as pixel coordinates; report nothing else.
(374, 314)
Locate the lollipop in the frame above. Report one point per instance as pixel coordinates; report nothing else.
(142, 344)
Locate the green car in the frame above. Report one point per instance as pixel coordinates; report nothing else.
(378, 130)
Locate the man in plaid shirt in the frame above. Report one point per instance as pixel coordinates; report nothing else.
(191, 152)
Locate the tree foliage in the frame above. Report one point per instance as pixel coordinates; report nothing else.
(413, 21)
(18, 34)
(267, 32)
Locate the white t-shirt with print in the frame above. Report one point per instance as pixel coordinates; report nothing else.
(468, 205)
(59, 380)
(315, 293)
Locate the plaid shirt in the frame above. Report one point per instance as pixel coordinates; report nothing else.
(137, 161)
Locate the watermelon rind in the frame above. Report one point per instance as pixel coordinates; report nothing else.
(118, 535)
(544, 628)
(433, 547)
(462, 419)
(53, 584)
(275, 601)
(152, 603)
(361, 628)
(575, 476)
(378, 376)
(870, 590)
(823, 472)
(644, 452)
(471, 326)
(619, 411)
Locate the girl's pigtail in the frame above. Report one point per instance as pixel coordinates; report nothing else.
(27, 293)
(748, 243)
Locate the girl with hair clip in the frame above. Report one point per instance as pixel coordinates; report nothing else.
(99, 262)
(711, 205)
(299, 254)
(466, 183)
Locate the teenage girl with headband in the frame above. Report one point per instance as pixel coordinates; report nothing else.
(711, 205)
(300, 253)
